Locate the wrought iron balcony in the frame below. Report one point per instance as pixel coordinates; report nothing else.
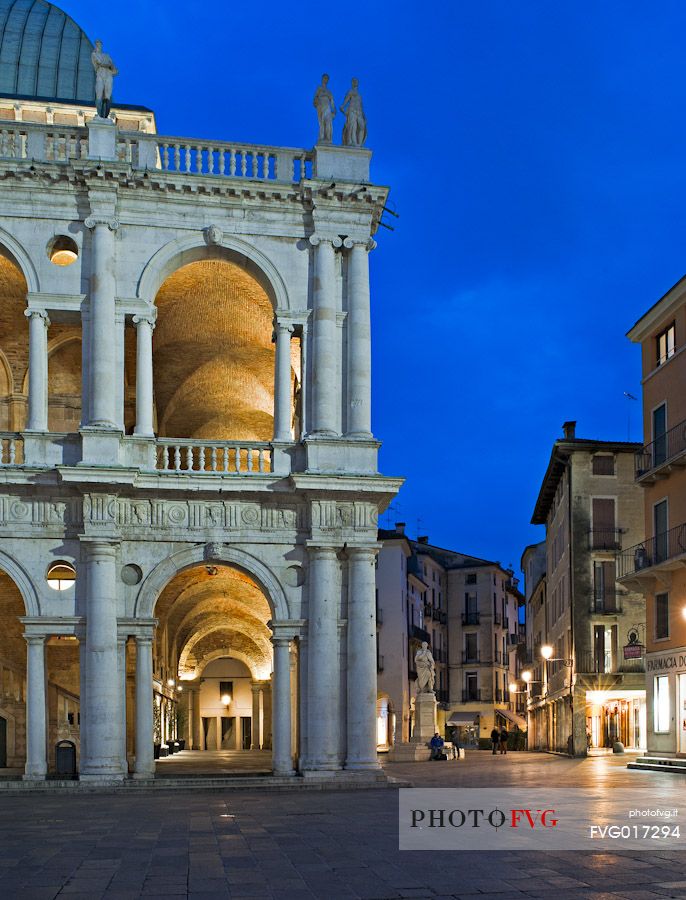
(605, 539)
(442, 696)
(473, 696)
(658, 457)
(420, 634)
(607, 602)
(428, 611)
(593, 664)
(663, 551)
(470, 618)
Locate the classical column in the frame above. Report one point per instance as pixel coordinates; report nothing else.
(323, 673)
(145, 757)
(267, 716)
(102, 714)
(282, 758)
(361, 667)
(283, 405)
(197, 721)
(255, 736)
(359, 414)
(38, 369)
(144, 328)
(102, 323)
(121, 661)
(324, 328)
(36, 710)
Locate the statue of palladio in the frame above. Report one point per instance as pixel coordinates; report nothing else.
(426, 669)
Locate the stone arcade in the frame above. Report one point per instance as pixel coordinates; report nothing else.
(189, 477)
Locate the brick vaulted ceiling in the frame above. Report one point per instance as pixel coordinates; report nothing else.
(203, 614)
(213, 355)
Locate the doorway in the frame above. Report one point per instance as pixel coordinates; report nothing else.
(681, 718)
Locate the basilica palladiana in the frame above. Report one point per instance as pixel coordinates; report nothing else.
(190, 493)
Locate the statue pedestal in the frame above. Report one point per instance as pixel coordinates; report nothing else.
(424, 718)
(102, 139)
(418, 750)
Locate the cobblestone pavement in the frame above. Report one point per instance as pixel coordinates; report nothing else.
(297, 845)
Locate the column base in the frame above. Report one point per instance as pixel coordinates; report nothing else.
(288, 773)
(33, 777)
(143, 776)
(363, 766)
(101, 777)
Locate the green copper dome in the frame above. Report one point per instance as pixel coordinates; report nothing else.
(43, 53)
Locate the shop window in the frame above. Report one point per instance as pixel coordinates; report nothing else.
(661, 703)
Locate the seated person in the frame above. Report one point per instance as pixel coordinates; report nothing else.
(436, 744)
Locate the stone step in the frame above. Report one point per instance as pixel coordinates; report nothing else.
(659, 764)
(342, 781)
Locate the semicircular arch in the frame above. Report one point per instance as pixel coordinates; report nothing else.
(23, 582)
(12, 250)
(192, 248)
(162, 574)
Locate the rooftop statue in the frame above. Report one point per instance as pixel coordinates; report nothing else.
(355, 130)
(326, 110)
(105, 70)
(426, 669)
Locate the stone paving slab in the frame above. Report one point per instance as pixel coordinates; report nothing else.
(295, 846)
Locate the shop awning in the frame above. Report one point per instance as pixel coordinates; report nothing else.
(463, 718)
(513, 718)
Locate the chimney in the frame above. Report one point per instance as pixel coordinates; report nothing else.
(423, 539)
(569, 429)
(400, 527)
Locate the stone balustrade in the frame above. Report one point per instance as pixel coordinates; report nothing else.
(175, 455)
(187, 156)
(11, 449)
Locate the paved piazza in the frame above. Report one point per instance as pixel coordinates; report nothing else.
(300, 845)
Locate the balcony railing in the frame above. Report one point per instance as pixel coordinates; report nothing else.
(653, 552)
(668, 448)
(442, 696)
(420, 634)
(605, 539)
(608, 602)
(496, 618)
(498, 695)
(428, 611)
(469, 657)
(592, 664)
(213, 457)
(11, 449)
(188, 156)
(473, 696)
(470, 618)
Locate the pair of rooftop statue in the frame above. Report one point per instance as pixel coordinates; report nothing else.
(354, 131)
(355, 128)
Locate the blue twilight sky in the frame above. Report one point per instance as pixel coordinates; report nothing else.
(537, 155)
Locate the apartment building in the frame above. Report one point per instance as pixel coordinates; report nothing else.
(591, 679)
(656, 565)
(466, 609)
(533, 565)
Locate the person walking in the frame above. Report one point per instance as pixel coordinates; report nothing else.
(495, 739)
(503, 740)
